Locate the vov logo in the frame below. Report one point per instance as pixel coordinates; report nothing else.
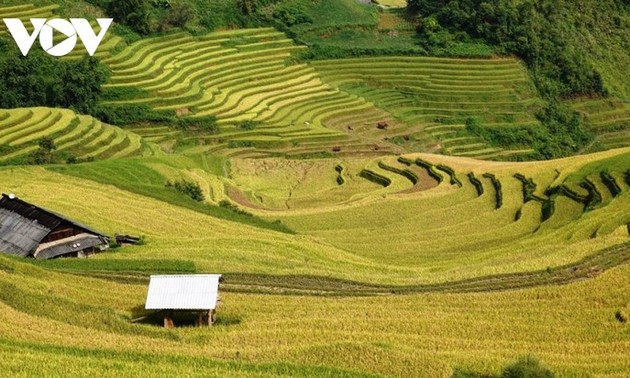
(45, 29)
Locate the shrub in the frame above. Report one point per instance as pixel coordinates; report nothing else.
(128, 114)
(530, 29)
(47, 144)
(5, 149)
(375, 178)
(529, 188)
(497, 188)
(230, 206)
(179, 14)
(247, 125)
(207, 124)
(548, 209)
(610, 183)
(476, 183)
(594, 197)
(451, 172)
(340, 179)
(291, 13)
(430, 170)
(191, 189)
(460, 373)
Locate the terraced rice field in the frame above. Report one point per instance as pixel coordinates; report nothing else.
(77, 135)
(437, 95)
(609, 119)
(454, 235)
(437, 218)
(371, 260)
(237, 76)
(247, 75)
(25, 12)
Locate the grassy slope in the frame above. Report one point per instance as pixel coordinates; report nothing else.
(301, 336)
(422, 237)
(430, 236)
(603, 35)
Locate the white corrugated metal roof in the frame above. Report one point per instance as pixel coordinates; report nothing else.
(183, 292)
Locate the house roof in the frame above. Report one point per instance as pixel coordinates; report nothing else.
(19, 236)
(183, 292)
(23, 226)
(45, 217)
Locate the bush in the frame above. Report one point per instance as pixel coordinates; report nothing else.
(128, 114)
(230, 206)
(497, 188)
(375, 178)
(207, 124)
(564, 133)
(247, 125)
(191, 189)
(47, 144)
(476, 183)
(291, 13)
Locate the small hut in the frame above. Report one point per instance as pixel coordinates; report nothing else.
(29, 230)
(197, 293)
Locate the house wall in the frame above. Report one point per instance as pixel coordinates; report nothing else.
(63, 231)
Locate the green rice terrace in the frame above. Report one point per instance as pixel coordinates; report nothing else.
(375, 210)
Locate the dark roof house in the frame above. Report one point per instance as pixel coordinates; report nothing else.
(29, 230)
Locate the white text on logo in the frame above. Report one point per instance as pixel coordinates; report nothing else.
(76, 27)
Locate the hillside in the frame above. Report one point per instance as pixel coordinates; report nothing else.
(484, 108)
(75, 136)
(457, 253)
(386, 193)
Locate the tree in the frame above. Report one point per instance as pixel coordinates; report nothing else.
(47, 144)
(82, 82)
(247, 7)
(180, 14)
(134, 13)
(41, 80)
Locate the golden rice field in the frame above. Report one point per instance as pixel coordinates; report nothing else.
(307, 304)
(347, 249)
(76, 135)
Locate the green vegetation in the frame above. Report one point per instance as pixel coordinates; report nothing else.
(283, 144)
(463, 104)
(572, 284)
(535, 31)
(191, 189)
(558, 53)
(41, 80)
(137, 177)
